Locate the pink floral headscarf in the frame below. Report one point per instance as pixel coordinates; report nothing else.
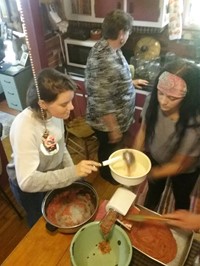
(172, 85)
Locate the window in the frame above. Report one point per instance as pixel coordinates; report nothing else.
(191, 14)
(4, 14)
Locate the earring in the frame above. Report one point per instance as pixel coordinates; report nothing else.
(121, 41)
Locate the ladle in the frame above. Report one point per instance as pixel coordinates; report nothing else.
(127, 156)
(129, 159)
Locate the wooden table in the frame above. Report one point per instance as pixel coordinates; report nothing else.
(40, 247)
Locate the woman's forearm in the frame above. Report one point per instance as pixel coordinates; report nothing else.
(140, 139)
(179, 164)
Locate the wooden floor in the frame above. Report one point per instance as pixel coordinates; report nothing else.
(4, 108)
(12, 228)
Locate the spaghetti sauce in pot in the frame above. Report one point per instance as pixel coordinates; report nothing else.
(71, 207)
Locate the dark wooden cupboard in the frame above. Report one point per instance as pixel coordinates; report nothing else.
(144, 10)
(146, 13)
(102, 7)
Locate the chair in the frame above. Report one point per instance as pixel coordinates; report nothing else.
(4, 176)
(80, 137)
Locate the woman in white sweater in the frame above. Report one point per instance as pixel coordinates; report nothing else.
(40, 161)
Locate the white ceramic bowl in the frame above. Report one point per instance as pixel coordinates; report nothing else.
(140, 168)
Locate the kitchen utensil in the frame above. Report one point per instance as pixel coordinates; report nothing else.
(119, 203)
(110, 161)
(88, 247)
(107, 223)
(140, 169)
(73, 195)
(143, 218)
(129, 158)
(121, 200)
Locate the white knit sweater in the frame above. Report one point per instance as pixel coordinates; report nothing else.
(35, 171)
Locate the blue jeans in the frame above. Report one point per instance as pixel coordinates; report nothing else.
(31, 202)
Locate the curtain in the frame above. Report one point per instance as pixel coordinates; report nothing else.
(175, 19)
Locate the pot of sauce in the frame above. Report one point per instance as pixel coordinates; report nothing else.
(68, 209)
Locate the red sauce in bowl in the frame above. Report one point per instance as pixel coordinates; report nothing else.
(70, 208)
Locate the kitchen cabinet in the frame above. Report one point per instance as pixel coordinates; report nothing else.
(102, 7)
(144, 10)
(15, 85)
(80, 99)
(139, 102)
(146, 13)
(1, 89)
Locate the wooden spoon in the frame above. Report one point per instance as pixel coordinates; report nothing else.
(143, 218)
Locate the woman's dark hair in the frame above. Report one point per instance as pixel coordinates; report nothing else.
(114, 22)
(51, 83)
(190, 106)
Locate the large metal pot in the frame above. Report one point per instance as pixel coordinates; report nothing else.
(82, 188)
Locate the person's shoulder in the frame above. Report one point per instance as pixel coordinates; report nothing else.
(100, 46)
(24, 118)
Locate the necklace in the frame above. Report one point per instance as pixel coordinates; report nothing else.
(48, 145)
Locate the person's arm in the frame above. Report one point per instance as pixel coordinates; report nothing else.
(83, 168)
(36, 172)
(140, 138)
(139, 83)
(177, 165)
(114, 131)
(184, 219)
(67, 159)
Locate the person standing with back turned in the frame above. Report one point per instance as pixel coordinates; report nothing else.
(110, 88)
